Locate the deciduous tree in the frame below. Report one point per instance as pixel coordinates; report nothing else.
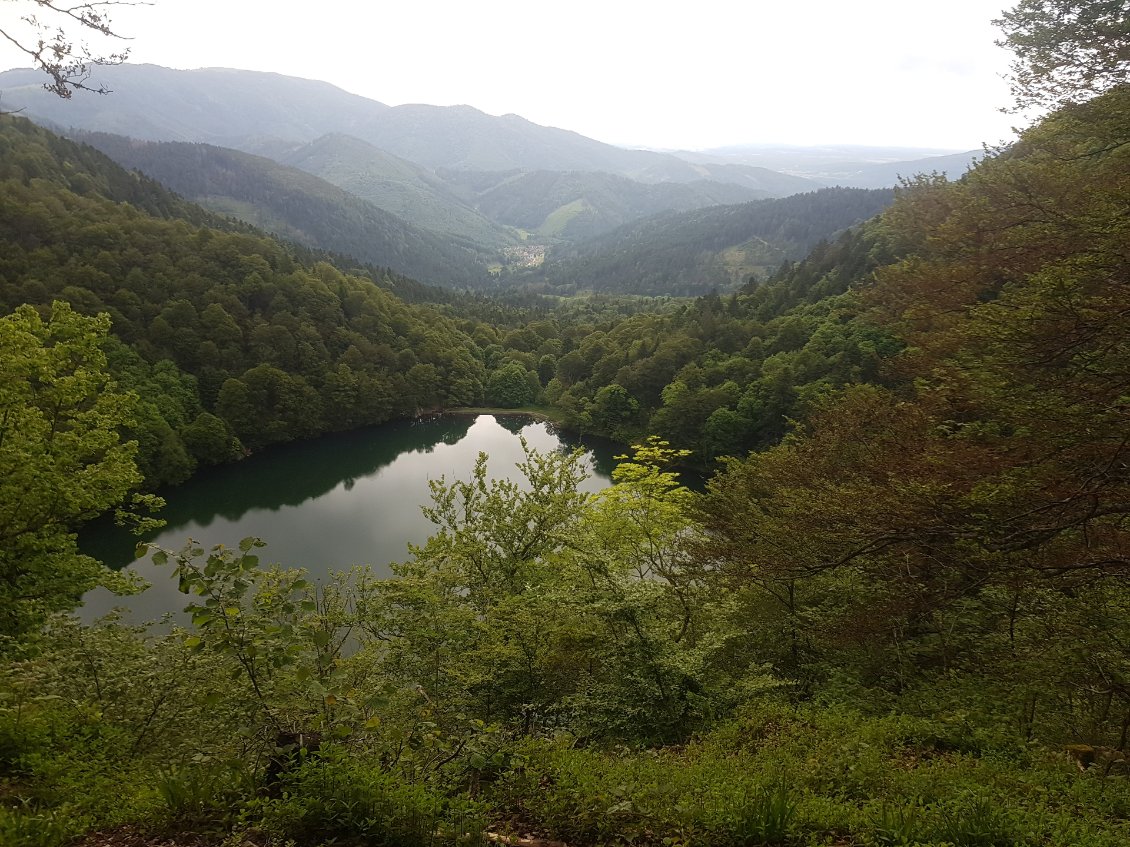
(62, 459)
(1066, 50)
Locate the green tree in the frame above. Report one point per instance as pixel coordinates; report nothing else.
(613, 407)
(62, 459)
(210, 441)
(1066, 50)
(267, 405)
(649, 622)
(509, 387)
(476, 618)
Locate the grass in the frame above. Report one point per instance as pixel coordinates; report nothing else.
(538, 413)
(557, 221)
(779, 776)
(775, 775)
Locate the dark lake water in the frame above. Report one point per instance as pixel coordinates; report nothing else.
(331, 503)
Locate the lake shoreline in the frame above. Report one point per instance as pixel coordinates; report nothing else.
(536, 413)
(330, 503)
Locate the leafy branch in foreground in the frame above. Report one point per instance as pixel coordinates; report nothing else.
(62, 459)
(1066, 50)
(284, 636)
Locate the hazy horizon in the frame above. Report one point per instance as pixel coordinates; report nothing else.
(878, 73)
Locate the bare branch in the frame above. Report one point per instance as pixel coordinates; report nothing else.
(45, 40)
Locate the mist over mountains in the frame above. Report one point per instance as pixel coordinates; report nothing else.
(267, 113)
(452, 195)
(254, 110)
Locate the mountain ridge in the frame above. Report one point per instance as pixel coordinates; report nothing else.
(154, 103)
(296, 205)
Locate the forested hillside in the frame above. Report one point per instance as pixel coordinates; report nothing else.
(901, 620)
(714, 248)
(394, 184)
(226, 334)
(578, 205)
(297, 206)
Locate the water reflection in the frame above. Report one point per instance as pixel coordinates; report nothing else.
(331, 503)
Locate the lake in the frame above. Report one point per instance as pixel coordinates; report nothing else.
(328, 504)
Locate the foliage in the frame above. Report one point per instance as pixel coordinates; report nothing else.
(301, 207)
(62, 459)
(776, 775)
(685, 253)
(473, 618)
(97, 717)
(281, 637)
(342, 797)
(952, 513)
(511, 386)
(539, 607)
(1066, 50)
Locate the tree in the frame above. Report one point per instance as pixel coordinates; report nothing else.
(43, 35)
(210, 441)
(975, 511)
(613, 407)
(1066, 50)
(476, 619)
(509, 387)
(62, 459)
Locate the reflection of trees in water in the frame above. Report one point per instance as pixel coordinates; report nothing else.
(601, 450)
(513, 423)
(283, 476)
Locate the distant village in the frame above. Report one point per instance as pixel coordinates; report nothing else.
(524, 256)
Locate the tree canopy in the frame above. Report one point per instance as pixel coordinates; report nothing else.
(1066, 50)
(62, 458)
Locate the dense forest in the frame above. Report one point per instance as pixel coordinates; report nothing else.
(898, 614)
(217, 326)
(714, 248)
(576, 205)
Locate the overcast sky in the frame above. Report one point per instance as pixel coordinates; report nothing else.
(659, 74)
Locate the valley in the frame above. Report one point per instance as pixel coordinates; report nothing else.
(437, 211)
(826, 542)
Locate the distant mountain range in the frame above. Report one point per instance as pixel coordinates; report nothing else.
(396, 185)
(849, 165)
(252, 110)
(576, 205)
(215, 105)
(445, 194)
